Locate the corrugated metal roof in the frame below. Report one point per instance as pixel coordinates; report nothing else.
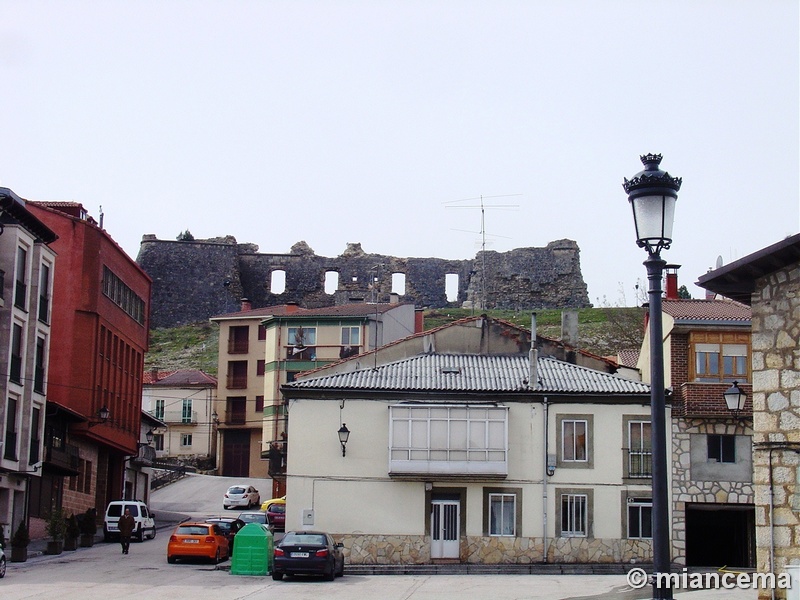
(475, 373)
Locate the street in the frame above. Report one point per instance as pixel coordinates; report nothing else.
(103, 572)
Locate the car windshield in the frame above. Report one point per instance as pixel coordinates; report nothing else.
(277, 508)
(236, 490)
(293, 539)
(253, 517)
(193, 530)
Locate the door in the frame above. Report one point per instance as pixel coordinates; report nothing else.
(236, 453)
(445, 534)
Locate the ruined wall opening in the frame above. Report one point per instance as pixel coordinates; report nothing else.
(451, 286)
(399, 283)
(331, 282)
(277, 281)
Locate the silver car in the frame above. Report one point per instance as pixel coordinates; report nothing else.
(2, 561)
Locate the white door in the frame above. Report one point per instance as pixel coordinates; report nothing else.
(445, 519)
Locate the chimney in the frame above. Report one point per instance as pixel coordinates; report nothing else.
(533, 356)
(246, 304)
(154, 374)
(569, 327)
(291, 307)
(419, 320)
(394, 298)
(672, 281)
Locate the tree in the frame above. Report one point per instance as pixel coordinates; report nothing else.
(185, 236)
(683, 293)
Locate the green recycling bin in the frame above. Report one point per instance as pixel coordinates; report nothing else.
(252, 552)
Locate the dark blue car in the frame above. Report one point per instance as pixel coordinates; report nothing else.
(308, 553)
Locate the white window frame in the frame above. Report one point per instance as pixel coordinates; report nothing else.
(186, 437)
(573, 452)
(637, 505)
(348, 332)
(508, 505)
(158, 409)
(475, 439)
(309, 335)
(186, 411)
(577, 509)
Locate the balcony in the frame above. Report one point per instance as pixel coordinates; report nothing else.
(304, 353)
(62, 457)
(145, 457)
(179, 417)
(640, 463)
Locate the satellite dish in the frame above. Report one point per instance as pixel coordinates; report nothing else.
(719, 262)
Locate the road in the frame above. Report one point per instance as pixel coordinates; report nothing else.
(102, 572)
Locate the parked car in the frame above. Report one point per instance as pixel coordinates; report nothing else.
(241, 495)
(229, 526)
(276, 514)
(266, 504)
(145, 520)
(308, 553)
(198, 540)
(2, 561)
(254, 516)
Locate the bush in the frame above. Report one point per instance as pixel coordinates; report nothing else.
(21, 539)
(56, 525)
(88, 521)
(73, 530)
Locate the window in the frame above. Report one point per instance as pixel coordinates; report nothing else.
(573, 441)
(722, 448)
(259, 404)
(44, 294)
(186, 439)
(123, 296)
(260, 368)
(238, 339)
(186, 411)
(720, 357)
(10, 443)
(159, 411)
(639, 449)
(237, 374)
(20, 287)
(15, 373)
(36, 441)
(158, 441)
(502, 514)
(640, 518)
(236, 413)
(573, 515)
(351, 336)
(448, 439)
(262, 332)
(38, 368)
(302, 336)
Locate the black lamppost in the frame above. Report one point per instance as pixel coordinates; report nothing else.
(344, 435)
(652, 194)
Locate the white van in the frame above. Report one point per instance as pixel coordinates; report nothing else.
(145, 523)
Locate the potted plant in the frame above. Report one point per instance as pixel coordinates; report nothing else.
(56, 528)
(71, 533)
(19, 543)
(88, 527)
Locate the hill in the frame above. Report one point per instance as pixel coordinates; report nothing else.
(602, 331)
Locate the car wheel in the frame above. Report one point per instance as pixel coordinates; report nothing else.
(340, 572)
(172, 560)
(277, 575)
(218, 557)
(2, 567)
(153, 535)
(329, 575)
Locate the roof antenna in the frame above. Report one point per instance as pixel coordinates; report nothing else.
(101, 216)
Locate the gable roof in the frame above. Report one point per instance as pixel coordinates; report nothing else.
(291, 311)
(186, 377)
(709, 311)
(474, 373)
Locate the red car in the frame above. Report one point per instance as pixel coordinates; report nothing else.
(276, 515)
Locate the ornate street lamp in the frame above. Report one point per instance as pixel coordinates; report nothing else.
(735, 399)
(344, 435)
(652, 194)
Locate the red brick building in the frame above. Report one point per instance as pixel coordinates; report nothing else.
(99, 336)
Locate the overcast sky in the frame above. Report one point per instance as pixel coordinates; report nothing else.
(367, 121)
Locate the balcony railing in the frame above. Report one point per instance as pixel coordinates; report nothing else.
(304, 353)
(179, 416)
(640, 463)
(65, 456)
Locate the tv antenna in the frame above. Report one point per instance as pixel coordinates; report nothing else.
(483, 207)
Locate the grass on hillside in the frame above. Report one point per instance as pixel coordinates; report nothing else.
(603, 331)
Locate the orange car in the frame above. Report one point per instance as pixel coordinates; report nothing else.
(197, 540)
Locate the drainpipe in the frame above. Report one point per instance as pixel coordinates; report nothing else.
(545, 406)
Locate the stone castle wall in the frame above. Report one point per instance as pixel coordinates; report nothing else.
(198, 279)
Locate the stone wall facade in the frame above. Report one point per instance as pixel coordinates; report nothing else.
(686, 490)
(197, 279)
(776, 413)
(376, 549)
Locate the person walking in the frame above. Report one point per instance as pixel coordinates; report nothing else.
(125, 526)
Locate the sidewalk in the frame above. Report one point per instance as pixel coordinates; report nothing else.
(164, 520)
